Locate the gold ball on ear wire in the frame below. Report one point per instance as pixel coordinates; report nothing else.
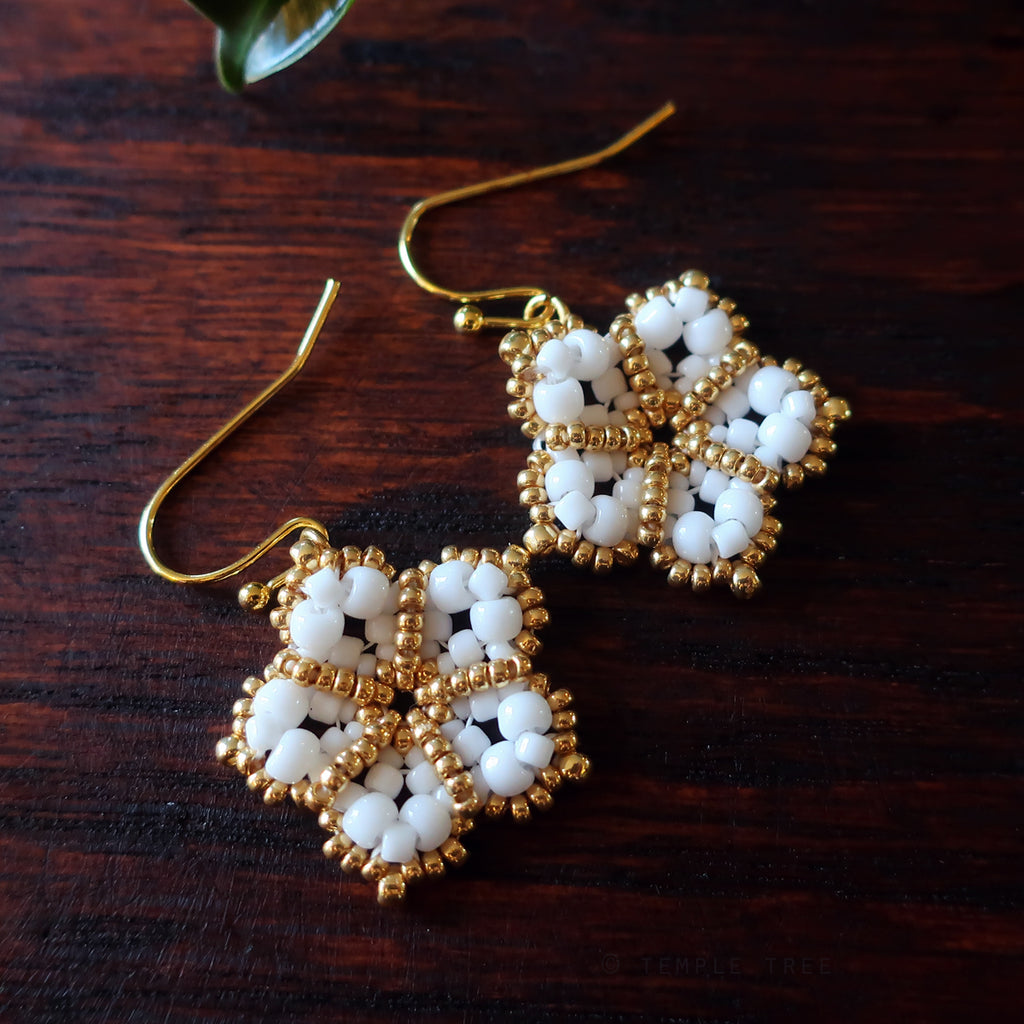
(468, 319)
(254, 597)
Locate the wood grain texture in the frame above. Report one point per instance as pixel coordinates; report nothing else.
(806, 807)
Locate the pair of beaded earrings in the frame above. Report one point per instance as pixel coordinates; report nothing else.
(404, 705)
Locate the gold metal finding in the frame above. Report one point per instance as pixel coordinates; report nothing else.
(542, 306)
(149, 513)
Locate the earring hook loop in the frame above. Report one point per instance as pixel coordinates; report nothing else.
(469, 317)
(149, 513)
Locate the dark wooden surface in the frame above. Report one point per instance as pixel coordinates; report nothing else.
(805, 807)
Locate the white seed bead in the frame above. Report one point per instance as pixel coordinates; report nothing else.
(398, 844)
(389, 755)
(800, 406)
(349, 708)
(742, 504)
(484, 705)
(263, 732)
(297, 753)
(658, 322)
(437, 625)
(560, 402)
(415, 757)
(709, 334)
(367, 819)
(714, 482)
(693, 367)
(556, 360)
(315, 630)
(348, 796)
(367, 665)
(503, 771)
(386, 652)
(448, 586)
(659, 363)
(366, 592)
(692, 537)
(690, 302)
(324, 588)
(325, 707)
(487, 582)
(384, 778)
(768, 457)
(431, 820)
(594, 415)
(698, 470)
(494, 621)
(564, 477)
(610, 522)
(666, 528)
(480, 784)
(565, 455)
(714, 415)
(502, 649)
(609, 385)
(575, 511)
(742, 435)
(445, 663)
(718, 433)
(470, 745)
(680, 502)
(600, 466)
(768, 386)
(789, 437)
(593, 355)
(334, 741)
(620, 460)
(523, 712)
(729, 538)
(465, 649)
(444, 799)
(346, 652)
(284, 700)
(629, 492)
(734, 403)
(461, 707)
(534, 749)
(451, 729)
(630, 400)
(422, 778)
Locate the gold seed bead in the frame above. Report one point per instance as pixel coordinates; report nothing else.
(227, 749)
(739, 323)
(528, 478)
(373, 557)
(695, 279)
(539, 797)
(575, 767)
(604, 559)
(550, 777)
(453, 851)
(433, 865)
(354, 860)
(584, 553)
(275, 793)
(448, 766)
(814, 465)
(518, 388)
(520, 809)
(700, 578)
(532, 496)
(412, 871)
(626, 552)
(391, 889)
(337, 846)
(792, 365)
(528, 643)
(837, 409)
(258, 780)
(495, 806)
(793, 475)
(536, 618)
(577, 435)
(562, 721)
(565, 742)
(745, 582)
(542, 514)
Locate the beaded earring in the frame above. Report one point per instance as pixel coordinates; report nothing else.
(400, 705)
(670, 431)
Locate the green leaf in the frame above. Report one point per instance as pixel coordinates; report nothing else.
(255, 38)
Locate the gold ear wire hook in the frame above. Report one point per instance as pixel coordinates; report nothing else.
(149, 513)
(470, 317)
